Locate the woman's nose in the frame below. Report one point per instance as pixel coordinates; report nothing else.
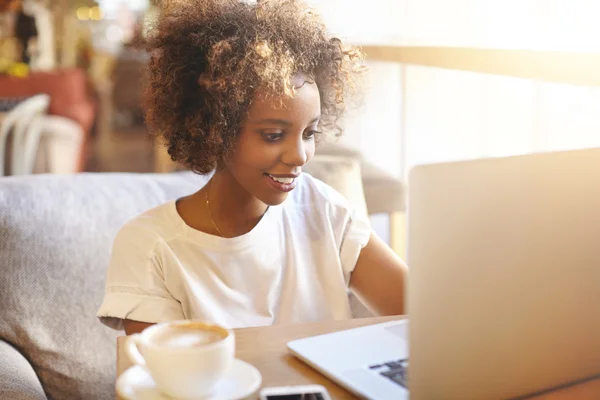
(295, 153)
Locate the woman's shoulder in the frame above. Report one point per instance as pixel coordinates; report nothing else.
(159, 223)
(315, 194)
(315, 202)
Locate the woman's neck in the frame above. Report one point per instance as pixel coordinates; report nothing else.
(233, 210)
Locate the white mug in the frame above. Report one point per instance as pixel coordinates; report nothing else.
(185, 358)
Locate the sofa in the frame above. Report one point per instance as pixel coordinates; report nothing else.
(56, 233)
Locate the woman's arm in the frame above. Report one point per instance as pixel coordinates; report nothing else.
(379, 278)
(132, 327)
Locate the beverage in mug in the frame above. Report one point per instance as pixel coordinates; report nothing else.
(185, 358)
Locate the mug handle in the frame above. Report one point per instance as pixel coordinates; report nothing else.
(132, 351)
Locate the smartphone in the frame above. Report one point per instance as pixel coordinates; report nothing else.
(304, 392)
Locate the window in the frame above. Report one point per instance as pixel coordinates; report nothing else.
(417, 113)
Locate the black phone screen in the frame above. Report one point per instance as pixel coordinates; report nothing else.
(296, 396)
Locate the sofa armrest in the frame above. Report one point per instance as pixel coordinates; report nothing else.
(18, 380)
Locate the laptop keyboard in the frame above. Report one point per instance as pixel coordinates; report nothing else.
(396, 371)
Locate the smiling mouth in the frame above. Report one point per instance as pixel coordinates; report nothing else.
(281, 183)
(285, 180)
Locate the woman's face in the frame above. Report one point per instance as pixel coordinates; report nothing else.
(275, 142)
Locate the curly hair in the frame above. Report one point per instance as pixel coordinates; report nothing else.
(209, 58)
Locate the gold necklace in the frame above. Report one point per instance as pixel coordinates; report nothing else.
(208, 207)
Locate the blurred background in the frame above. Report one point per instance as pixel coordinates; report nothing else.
(450, 80)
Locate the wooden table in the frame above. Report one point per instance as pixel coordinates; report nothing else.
(265, 348)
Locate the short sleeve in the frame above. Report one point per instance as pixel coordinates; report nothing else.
(135, 284)
(357, 233)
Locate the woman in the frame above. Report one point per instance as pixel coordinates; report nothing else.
(246, 90)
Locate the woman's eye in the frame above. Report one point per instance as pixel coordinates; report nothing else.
(310, 134)
(272, 137)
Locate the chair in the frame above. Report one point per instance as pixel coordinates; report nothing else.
(18, 121)
(61, 150)
(71, 97)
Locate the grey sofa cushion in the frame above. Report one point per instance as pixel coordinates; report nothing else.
(55, 238)
(18, 380)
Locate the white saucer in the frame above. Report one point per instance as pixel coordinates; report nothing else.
(241, 381)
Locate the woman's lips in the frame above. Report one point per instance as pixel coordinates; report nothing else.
(283, 183)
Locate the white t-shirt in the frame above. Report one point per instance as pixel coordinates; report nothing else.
(293, 266)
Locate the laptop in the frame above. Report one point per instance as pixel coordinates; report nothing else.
(504, 285)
